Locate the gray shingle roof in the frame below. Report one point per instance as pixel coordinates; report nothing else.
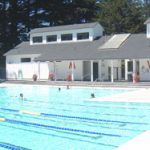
(135, 47)
(64, 27)
(147, 21)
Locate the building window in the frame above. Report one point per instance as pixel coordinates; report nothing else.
(37, 39)
(66, 37)
(51, 38)
(82, 36)
(25, 60)
(130, 66)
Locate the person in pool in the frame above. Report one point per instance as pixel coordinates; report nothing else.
(92, 95)
(21, 96)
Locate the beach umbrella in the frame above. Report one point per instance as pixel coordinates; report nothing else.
(72, 65)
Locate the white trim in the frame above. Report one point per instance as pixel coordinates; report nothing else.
(112, 71)
(91, 70)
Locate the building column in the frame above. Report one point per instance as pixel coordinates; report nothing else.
(100, 70)
(39, 69)
(54, 65)
(91, 70)
(134, 71)
(112, 71)
(134, 66)
(126, 70)
(72, 71)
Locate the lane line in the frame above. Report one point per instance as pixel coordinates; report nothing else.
(77, 117)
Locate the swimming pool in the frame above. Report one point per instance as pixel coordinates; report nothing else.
(49, 119)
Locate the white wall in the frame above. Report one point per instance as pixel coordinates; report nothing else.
(19, 71)
(63, 70)
(86, 70)
(17, 58)
(144, 70)
(148, 30)
(98, 31)
(103, 69)
(116, 64)
(44, 68)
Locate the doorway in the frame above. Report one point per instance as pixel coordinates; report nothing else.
(130, 70)
(95, 71)
(123, 69)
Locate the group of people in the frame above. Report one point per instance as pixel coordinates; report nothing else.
(59, 89)
(22, 97)
(92, 94)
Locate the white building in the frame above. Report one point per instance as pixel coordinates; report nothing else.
(80, 52)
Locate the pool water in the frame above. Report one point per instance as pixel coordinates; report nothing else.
(49, 119)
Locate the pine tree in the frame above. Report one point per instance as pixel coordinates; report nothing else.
(146, 8)
(120, 16)
(13, 22)
(4, 46)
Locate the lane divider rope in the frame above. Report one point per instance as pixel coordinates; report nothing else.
(12, 147)
(74, 117)
(60, 128)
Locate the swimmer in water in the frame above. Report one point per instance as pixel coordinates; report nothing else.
(92, 95)
(21, 96)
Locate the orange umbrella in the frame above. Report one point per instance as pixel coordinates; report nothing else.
(72, 65)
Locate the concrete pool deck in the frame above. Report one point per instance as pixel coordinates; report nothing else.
(137, 95)
(141, 142)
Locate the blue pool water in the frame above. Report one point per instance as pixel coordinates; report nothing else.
(49, 119)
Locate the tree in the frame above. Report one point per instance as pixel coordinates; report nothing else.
(4, 31)
(146, 8)
(13, 22)
(62, 12)
(120, 16)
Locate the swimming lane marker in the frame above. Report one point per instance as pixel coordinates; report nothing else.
(30, 113)
(2, 119)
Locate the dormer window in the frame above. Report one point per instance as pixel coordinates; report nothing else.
(37, 39)
(51, 38)
(66, 37)
(83, 36)
(25, 60)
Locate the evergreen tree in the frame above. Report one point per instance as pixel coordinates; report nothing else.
(146, 8)
(120, 16)
(62, 12)
(4, 31)
(13, 22)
